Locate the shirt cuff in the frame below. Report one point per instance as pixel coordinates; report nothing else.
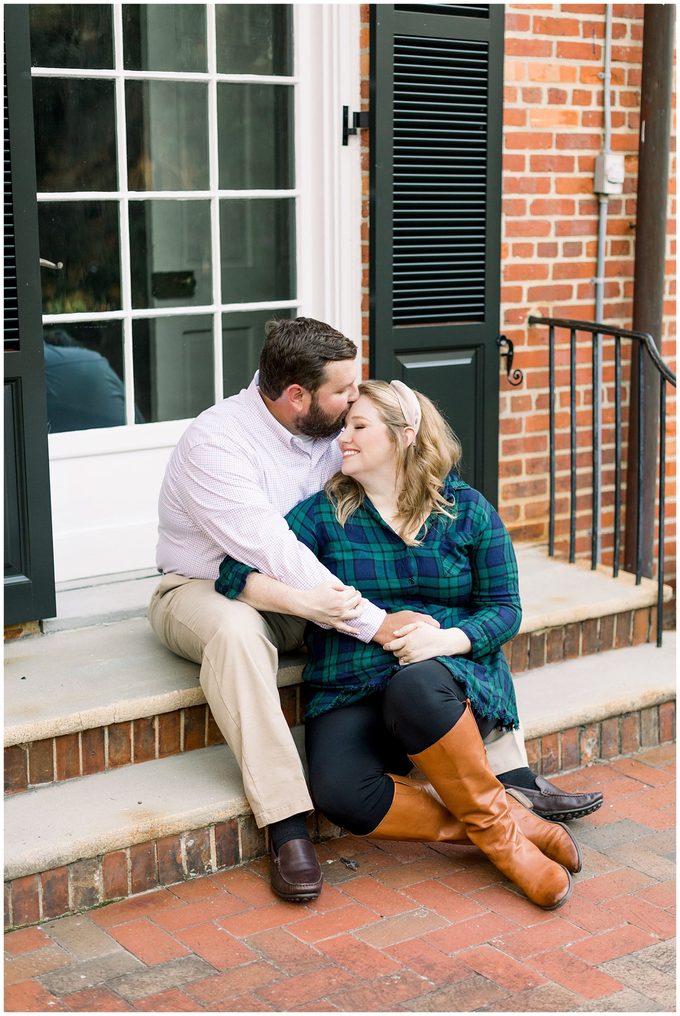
(479, 640)
(232, 578)
(366, 625)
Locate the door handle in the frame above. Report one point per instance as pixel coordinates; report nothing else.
(44, 263)
(359, 122)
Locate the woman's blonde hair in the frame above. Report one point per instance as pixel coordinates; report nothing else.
(421, 467)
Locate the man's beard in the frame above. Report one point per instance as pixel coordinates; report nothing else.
(316, 423)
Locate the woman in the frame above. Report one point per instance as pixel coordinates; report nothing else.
(399, 525)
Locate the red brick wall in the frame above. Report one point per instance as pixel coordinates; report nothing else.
(553, 130)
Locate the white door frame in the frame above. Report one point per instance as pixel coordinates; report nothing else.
(105, 483)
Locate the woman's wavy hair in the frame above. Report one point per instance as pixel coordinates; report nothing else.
(421, 467)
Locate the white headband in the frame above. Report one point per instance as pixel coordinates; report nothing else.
(408, 400)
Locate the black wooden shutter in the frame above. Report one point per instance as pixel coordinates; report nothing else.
(436, 134)
(29, 569)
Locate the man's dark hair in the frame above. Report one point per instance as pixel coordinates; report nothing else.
(296, 351)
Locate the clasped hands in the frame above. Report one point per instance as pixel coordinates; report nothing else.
(424, 639)
(411, 636)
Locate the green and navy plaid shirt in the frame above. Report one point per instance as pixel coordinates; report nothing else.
(464, 573)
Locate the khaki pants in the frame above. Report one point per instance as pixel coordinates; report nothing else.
(237, 649)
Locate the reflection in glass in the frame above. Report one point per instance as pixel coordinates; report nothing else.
(258, 249)
(84, 236)
(84, 376)
(242, 340)
(164, 37)
(71, 35)
(254, 39)
(170, 253)
(255, 136)
(76, 147)
(167, 135)
(173, 363)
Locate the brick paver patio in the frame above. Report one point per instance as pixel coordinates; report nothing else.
(398, 927)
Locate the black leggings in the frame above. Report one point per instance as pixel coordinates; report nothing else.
(350, 750)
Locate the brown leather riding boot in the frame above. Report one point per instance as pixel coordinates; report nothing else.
(457, 767)
(553, 839)
(417, 814)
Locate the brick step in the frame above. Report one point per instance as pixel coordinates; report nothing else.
(96, 699)
(74, 845)
(89, 699)
(93, 728)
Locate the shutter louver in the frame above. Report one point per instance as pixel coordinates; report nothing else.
(11, 301)
(440, 169)
(462, 10)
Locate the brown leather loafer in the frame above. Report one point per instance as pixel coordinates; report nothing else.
(295, 871)
(550, 802)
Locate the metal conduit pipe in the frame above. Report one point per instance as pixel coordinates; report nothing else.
(606, 150)
(603, 208)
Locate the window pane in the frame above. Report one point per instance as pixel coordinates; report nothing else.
(84, 376)
(71, 35)
(76, 147)
(164, 37)
(255, 136)
(173, 361)
(170, 253)
(167, 135)
(84, 236)
(254, 39)
(242, 340)
(258, 250)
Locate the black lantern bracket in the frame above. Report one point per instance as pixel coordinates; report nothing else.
(515, 377)
(359, 122)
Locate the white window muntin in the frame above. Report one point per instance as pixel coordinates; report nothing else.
(127, 313)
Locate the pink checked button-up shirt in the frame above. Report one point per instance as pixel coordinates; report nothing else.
(233, 476)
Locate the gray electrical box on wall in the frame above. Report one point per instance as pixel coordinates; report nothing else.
(609, 173)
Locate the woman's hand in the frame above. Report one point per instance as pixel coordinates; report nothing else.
(416, 642)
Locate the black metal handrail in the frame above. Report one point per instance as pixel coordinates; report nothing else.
(666, 376)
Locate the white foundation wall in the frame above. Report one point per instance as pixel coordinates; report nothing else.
(105, 499)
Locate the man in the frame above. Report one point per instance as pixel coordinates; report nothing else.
(237, 470)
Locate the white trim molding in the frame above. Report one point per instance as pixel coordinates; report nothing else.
(327, 55)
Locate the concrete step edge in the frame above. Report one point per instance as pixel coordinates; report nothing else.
(52, 826)
(628, 679)
(79, 680)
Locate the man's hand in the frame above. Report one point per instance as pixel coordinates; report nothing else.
(393, 622)
(415, 642)
(332, 603)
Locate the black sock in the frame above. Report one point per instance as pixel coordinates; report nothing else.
(293, 828)
(518, 778)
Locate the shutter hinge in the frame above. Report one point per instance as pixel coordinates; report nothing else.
(515, 377)
(359, 122)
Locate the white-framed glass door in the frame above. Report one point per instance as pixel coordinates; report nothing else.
(182, 186)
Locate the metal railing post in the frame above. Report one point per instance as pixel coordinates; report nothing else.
(572, 447)
(617, 453)
(551, 404)
(662, 508)
(597, 452)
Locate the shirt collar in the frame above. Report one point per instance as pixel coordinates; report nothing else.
(277, 429)
(260, 410)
